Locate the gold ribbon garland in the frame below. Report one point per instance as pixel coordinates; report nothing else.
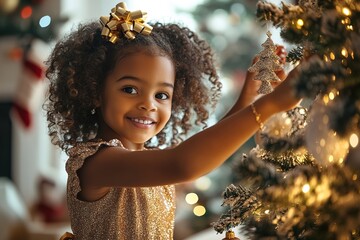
(123, 21)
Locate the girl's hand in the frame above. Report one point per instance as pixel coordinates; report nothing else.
(251, 86)
(249, 91)
(283, 97)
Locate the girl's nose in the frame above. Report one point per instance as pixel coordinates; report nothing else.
(147, 104)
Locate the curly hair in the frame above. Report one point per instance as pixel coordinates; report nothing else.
(80, 62)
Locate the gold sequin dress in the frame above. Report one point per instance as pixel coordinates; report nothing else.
(123, 213)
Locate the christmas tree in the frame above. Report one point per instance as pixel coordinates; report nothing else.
(302, 179)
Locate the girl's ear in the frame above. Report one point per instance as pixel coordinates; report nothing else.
(98, 102)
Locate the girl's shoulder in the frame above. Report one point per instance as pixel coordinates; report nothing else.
(90, 147)
(82, 150)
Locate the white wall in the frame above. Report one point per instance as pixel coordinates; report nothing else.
(159, 10)
(32, 152)
(34, 155)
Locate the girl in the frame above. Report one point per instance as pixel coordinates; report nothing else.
(113, 106)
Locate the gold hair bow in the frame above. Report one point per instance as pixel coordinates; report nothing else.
(123, 21)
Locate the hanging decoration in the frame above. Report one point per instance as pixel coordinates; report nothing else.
(230, 235)
(267, 65)
(322, 142)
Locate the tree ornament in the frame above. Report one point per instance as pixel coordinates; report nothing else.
(321, 141)
(230, 235)
(295, 55)
(283, 125)
(267, 65)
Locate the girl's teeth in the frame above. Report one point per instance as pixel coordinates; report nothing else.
(146, 122)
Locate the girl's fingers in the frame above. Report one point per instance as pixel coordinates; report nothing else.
(281, 52)
(275, 84)
(250, 75)
(281, 74)
(255, 59)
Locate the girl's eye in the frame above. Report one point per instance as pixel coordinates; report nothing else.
(130, 90)
(162, 96)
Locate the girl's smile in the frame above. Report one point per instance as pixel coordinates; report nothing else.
(142, 122)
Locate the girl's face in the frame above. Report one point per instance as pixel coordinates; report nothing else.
(136, 103)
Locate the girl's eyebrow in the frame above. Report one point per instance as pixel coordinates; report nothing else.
(129, 77)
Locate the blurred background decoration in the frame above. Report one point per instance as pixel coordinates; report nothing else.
(28, 19)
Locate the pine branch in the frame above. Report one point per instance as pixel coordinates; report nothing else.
(317, 77)
(344, 113)
(269, 12)
(286, 161)
(280, 145)
(243, 203)
(252, 171)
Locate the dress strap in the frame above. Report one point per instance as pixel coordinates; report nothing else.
(67, 236)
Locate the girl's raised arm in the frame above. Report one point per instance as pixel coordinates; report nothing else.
(198, 155)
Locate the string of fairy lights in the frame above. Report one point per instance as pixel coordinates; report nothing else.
(27, 11)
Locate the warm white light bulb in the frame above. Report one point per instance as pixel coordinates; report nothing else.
(306, 188)
(354, 140)
(199, 210)
(191, 198)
